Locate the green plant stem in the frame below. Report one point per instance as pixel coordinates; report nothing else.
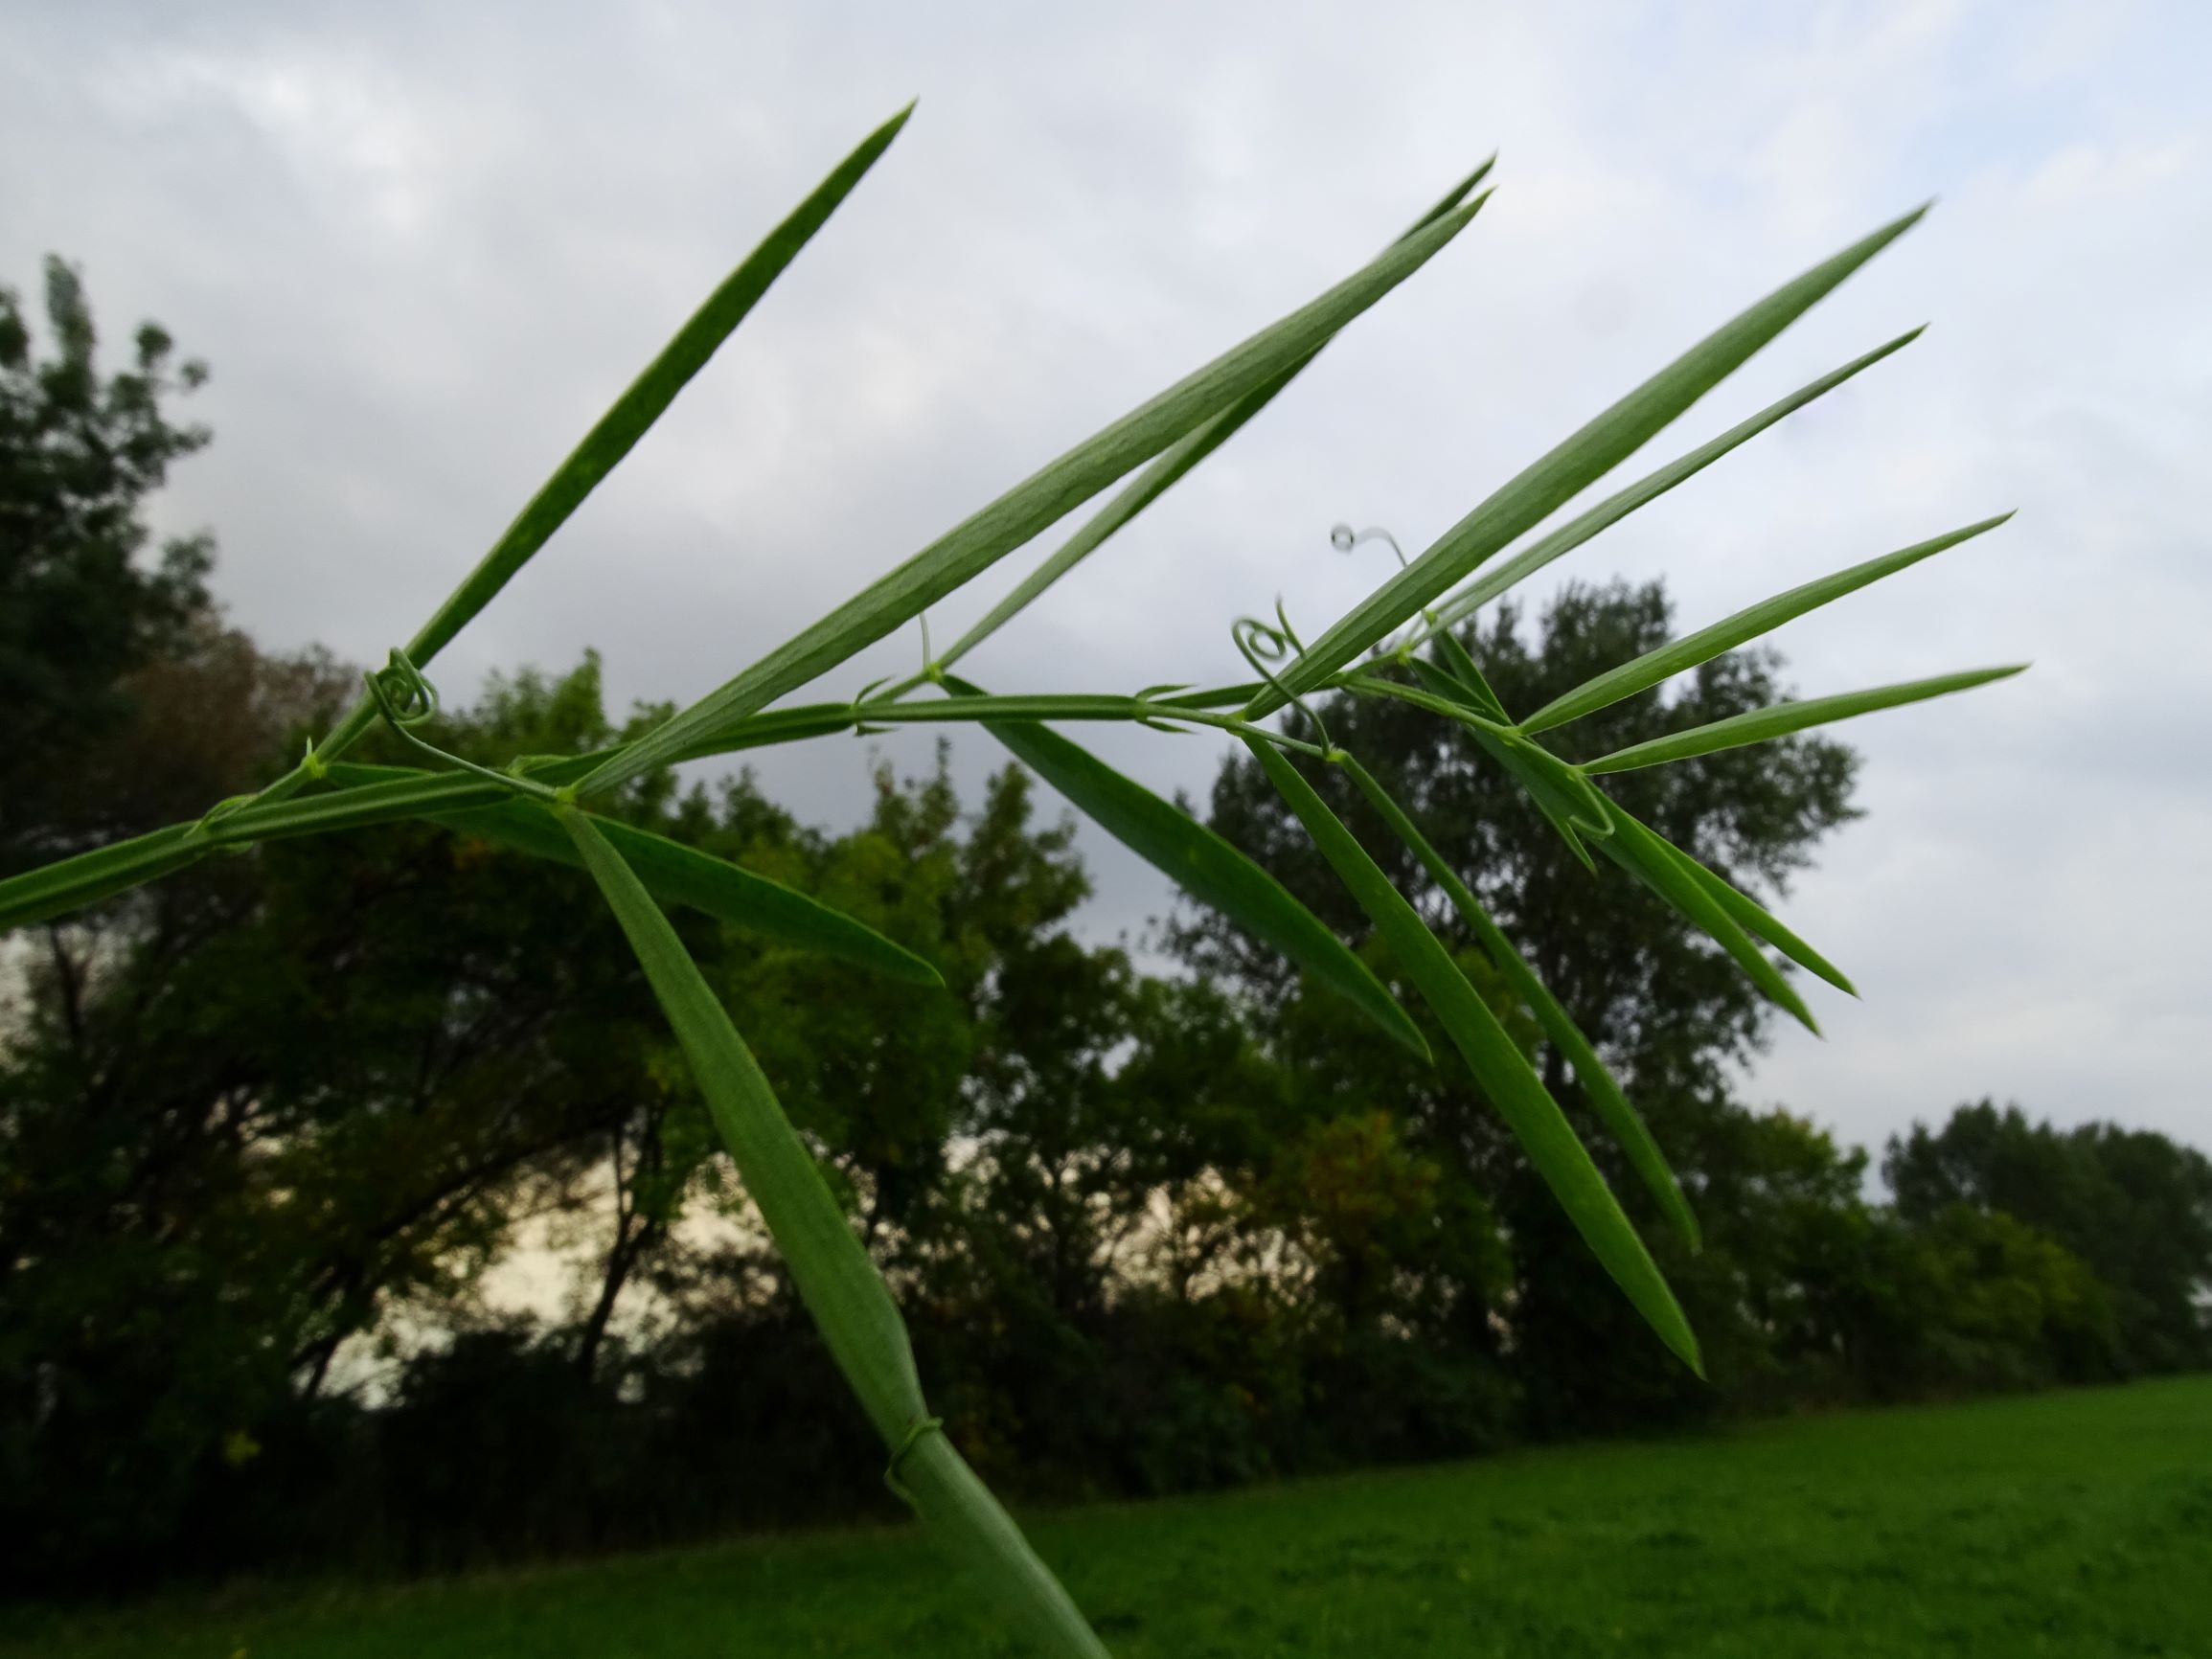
(57, 889)
(972, 1527)
(842, 1290)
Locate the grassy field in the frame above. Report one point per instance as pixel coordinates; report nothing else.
(2076, 1524)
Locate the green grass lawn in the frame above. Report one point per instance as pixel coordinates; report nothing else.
(2076, 1524)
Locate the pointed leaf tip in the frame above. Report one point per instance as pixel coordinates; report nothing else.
(996, 529)
(1481, 172)
(1564, 470)
(1495, 1062)
(1690, 650)
(1904, 223)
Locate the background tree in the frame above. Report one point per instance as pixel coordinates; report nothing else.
(82, 613)
(2134, 1206)
(272, 1117)
(1666, 1009)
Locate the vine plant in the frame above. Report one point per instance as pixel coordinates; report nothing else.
(1399, 642)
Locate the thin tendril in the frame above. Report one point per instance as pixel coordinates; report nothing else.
(405, 698)
(1261, 645)
(1344, 538)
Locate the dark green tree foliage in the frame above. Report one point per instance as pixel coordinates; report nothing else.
(2133, 1205)
(305, 1096)
(1808, 1292)
(82, 613)
(304, 1091)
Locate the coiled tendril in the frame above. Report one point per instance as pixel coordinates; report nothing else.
(405, 698)
(1344, 538)
(1263, 644)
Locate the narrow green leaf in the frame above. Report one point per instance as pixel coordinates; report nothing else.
(371, 795)
(968, 1522)
(1454, 659)
(1654, 861)
(1749, 913)
(365, 796)
(1217, 697)
(1453, 197)
(1559, 811)
(757, 730)
(979, 542)
(1203, 865)
(1563, 805)
(674, 873)
(632, 414)
(72, 883)
(1611, 1106)
(1443, 683)
(830, 1268)
(1574, 794)
(679, 875)
(1165, 469)
(617, 431)
(1489, 583)
(1762, 725)
(1049, 706)
(1570, 467)
(839, 1285)
(1497, 1063)
(1706, 644)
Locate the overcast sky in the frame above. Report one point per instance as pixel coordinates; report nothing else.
(422, 245)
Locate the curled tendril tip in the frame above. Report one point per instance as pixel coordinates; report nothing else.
(403, 696)
(1262, 645)
(406, 699)
(1344, 538)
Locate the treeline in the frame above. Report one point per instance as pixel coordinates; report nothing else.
(266, 1126)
